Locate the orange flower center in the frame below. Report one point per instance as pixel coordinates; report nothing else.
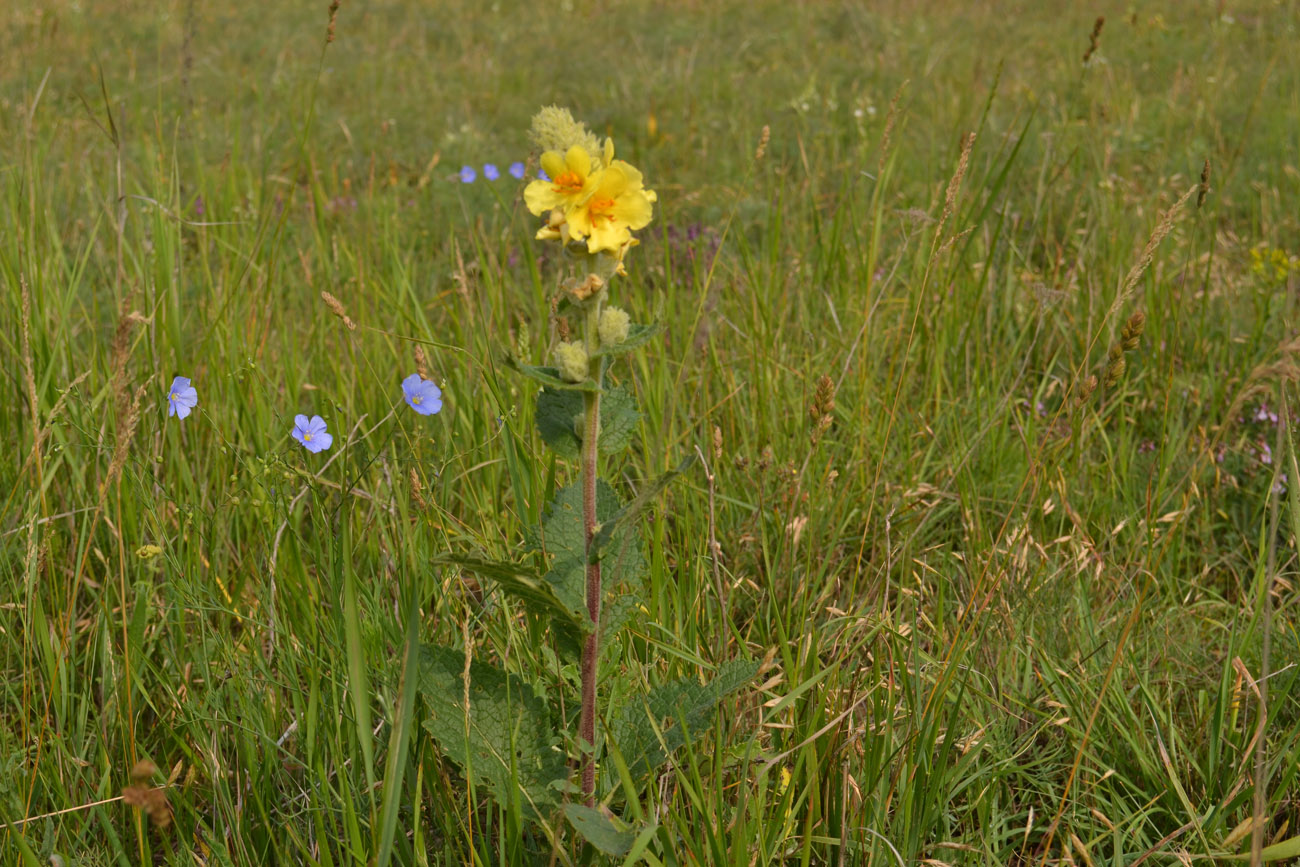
(568, 183)
(600, 210)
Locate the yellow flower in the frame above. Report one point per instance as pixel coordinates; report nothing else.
(619, 204)
(572, 181)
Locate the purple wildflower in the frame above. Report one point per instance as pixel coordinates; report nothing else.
(311, 433)
(422, 395)
(181, 397)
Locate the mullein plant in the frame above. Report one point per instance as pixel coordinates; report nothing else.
(500, 731)
(591, 206)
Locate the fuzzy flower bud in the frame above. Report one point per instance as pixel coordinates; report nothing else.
(554, 129)
(571, 360)
(613, 326)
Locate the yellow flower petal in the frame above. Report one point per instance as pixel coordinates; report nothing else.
(553, 163)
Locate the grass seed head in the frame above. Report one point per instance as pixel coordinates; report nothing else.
(334, 14)
(1132, 333)
(336, 307)
(1095, 39)
(1086, 388)
(763, 139)
(145, 797)
(1115, 366)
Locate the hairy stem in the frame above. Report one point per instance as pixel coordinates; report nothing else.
(590, 435)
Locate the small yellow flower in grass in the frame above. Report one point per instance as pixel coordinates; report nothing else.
(619, 204)
(572, 181)
(571, 361)
(148, 552)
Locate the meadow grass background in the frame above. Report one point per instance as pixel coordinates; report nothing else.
(999, 625)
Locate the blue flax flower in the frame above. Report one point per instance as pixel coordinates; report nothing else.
(517, 171)
(181, 397)
(490, 172)
(422, 395)
(542, 175)
(467, 174)
(311, 433)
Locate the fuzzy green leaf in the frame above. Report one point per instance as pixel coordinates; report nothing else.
(637, 336)
(617, 612)
(665, 707)
(549, 376)
(564, 540)
(601, 830)
(559, 420)
(508, 742)
(618, 420)
(569, 625)
(559, 417)
(609, 527)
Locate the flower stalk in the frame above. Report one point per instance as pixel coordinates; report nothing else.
(590, 650)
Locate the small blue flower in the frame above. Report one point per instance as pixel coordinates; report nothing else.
(542, 175)
(467, 174)
(311, 433)
(181, 397)
(517, 171)
(490, 172)
(422, 395)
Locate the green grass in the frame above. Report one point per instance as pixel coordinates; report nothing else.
(999, 625)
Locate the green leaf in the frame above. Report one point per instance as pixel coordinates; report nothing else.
(609, 527)
(600, 829)
(1293, 489)
(1289, 848)
(617, 612)
(569, 624)
(505, 739)
(549, 376)
(560, 416)
(564, 540)
(637, 336)
(666, 707)
(618, 420)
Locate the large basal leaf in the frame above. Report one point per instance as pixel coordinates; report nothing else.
(601, 830)
(569, 625)
(665, 707)
(560, 416)
(564, 540)
(505, 740)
